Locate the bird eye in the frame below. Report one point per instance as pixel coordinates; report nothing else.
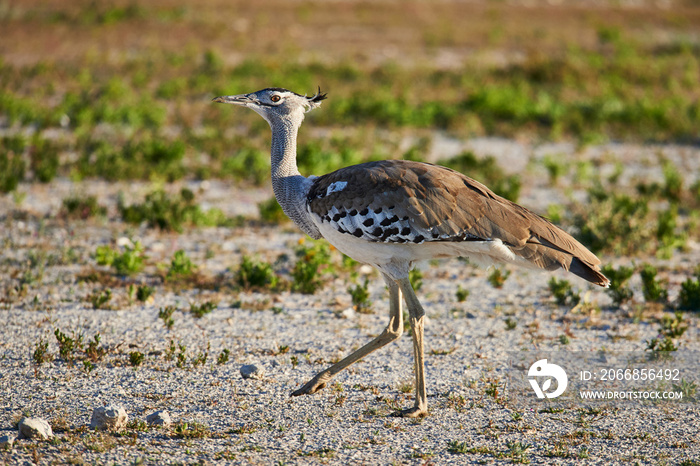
(275, 98)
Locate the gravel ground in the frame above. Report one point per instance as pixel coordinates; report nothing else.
(220, 417)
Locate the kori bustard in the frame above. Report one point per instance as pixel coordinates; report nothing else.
(392, 213)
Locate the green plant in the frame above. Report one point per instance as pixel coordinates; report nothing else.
(41, 354)
(415, 276)
(223, 357)
(325, 452)
(15, 143)
(627, 225)
(689, 389)
(555, 213)
(492, 389)
(144, 292)
(12, 169)
(672, 328)
(82, 207)
(201, 358)
(695, 192)
(556, 167)
(180, 266)
(44, 161)
(271, 212)
(181, 355)
(94, 352)
(88, 366)
(190, 430)
(312, 262)
(138, 425)
(145, 156)
(659, 346)
(316, 157)
(618, 278)
(667, 235)
(166, 314)
(563, 292)
(360, 297)
(517, 451)
(254, 274)
(67, 346)
(461, 294)
(12, 165)
(652, 289)
(200, 310)
(99, 300)
(418, 151)
(159, 210)
(497, 278)
(129, 262)
(170, 350)
(135, 358)
(673, 182)
(511, 323)
(457, 447)
(249, 164)
(614, 222)
(689, 295)
(579, 90)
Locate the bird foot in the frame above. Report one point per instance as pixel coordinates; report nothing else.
(312, 386)
(412, 412)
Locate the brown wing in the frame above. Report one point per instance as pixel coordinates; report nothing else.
(403, 201)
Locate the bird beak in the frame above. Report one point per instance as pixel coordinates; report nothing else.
(242, 99)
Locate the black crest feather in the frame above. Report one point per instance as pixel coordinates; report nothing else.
(318, 97)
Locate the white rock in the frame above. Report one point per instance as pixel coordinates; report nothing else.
(251, 371)
(6, 441)
(157, 247)
(159, 418)
(34, 427)
(348, 313)
(123, 241)
(110, 417)
(366, 269)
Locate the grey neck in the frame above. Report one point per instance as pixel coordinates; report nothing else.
(289, 185)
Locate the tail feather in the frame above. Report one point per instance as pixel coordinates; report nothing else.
(545, 257)
(588, 272)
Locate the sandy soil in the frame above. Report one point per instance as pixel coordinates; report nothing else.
(220, 417)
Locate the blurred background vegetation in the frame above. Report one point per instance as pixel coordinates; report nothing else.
(121, 90)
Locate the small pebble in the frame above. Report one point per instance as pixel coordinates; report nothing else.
(123, 241)
(109, 417)
(6, 441)
(159, 418)
(34, 427)
(251, 371)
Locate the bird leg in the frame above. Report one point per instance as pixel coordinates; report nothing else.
(392, 332)
(416, 318)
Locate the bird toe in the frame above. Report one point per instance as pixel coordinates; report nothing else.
(412, 412)
(309, 388)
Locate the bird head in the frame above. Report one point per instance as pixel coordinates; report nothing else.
(275, 102)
